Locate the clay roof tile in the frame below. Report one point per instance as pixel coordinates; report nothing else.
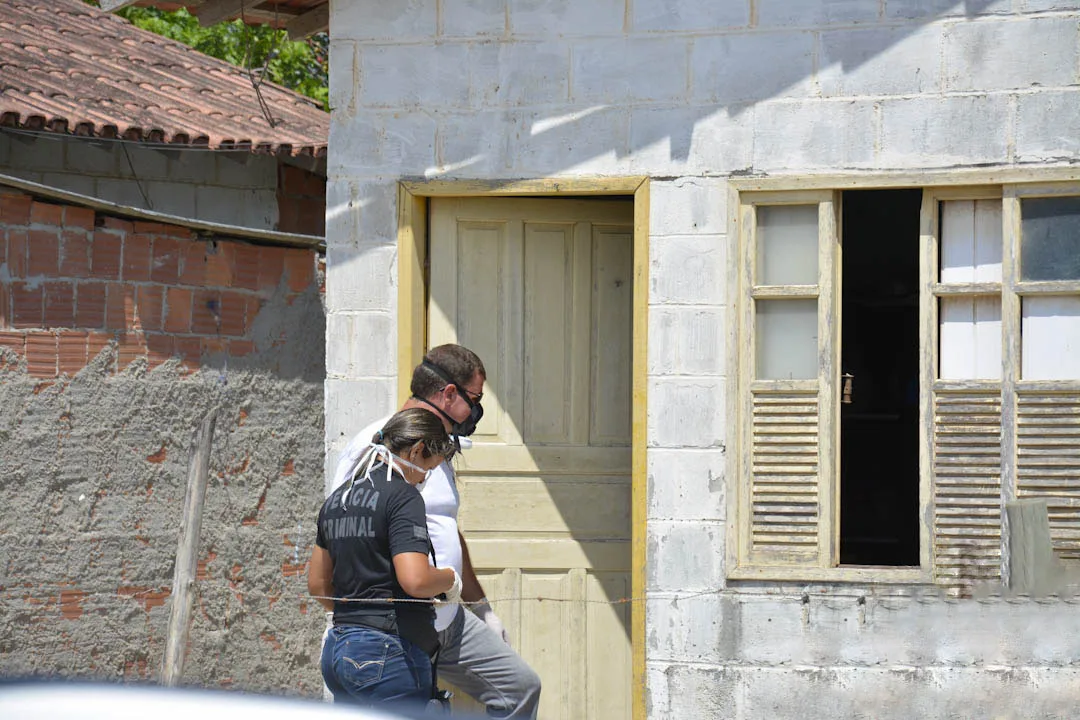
(68, 67)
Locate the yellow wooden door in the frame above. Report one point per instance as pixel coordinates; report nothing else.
(542, 291)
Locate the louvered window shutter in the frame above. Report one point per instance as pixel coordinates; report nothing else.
(963, 298)
(1048, 461)
(967, 488)
(789, 380)
(1045, 244)
(785, 479)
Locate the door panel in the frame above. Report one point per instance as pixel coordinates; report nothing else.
(612, 317)
(542, 291)
(550, 338)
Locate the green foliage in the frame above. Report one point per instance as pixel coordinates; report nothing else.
(301, 66)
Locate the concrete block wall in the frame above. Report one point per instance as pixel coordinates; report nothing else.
(691, 93)
(116, 340)
(232, 188)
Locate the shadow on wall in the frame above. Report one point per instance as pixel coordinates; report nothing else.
(623, 104)
(653, 100)
(630, 110)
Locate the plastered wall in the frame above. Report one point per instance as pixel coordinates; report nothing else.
(692, 93)
(117, 338)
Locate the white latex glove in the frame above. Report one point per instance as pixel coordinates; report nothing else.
(483, 611)
(453, 595)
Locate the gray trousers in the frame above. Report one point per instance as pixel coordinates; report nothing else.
(477, 661)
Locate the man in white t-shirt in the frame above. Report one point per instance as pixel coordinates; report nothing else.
(475, 654)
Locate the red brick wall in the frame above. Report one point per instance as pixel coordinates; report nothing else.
(78, 281)
(301, 201)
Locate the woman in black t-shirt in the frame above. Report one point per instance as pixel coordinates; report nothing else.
(370, 567)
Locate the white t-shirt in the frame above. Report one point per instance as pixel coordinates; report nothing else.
(441, 500)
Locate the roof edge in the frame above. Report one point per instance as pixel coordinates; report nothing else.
(36, 123)
(268, 237)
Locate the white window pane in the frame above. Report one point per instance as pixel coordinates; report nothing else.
(787, 245)
(787, 339)
(970, 347)
(1050, 244)
(971, 241)
(1050, 333)
(988, 241)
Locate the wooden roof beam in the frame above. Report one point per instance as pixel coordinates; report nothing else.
(114, 5)
(311, 22)
(211, 12)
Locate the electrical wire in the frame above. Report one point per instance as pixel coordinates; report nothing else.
(138, 182)
(79, 597)
(264, 107)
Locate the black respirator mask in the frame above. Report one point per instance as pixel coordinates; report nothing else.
(466, 427)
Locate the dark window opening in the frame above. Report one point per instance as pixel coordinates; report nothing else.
(879, 419)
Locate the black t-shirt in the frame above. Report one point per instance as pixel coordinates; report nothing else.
(379, 520)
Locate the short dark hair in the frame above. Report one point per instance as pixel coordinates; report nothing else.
(408, 427)
(459, 364)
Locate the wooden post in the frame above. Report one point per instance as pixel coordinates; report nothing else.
(187, 554)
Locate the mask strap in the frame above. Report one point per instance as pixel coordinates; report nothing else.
(446, 378)
(437, 409)
(408, 464)
(376, 452)
(452, 421)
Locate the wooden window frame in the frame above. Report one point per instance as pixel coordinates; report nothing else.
(742, 293)
(933, 389)
(821, 388)
(1011, 186)
(1012, 198)
(1015, 390)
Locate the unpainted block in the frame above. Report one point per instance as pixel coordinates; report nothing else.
(686, 412)
(881, 61)
(940, 132)
(687, 340)
(687, 484)
(1011, 54)
(687, 269)
(685, 556)
(688, 206)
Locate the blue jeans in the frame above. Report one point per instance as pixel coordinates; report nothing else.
(363, 666)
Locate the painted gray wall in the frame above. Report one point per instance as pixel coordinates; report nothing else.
(691, 92)
(233, 188)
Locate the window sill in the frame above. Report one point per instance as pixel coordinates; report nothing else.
(846, 573)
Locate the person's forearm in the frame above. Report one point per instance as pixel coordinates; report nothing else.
(419, 579)
(323, 593)
(320, 578)
(438, 580)
(471, 590)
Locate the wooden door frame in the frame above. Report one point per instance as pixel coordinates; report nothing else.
(412, 243)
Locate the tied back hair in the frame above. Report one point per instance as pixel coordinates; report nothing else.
(400, 433)
(411, 426)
